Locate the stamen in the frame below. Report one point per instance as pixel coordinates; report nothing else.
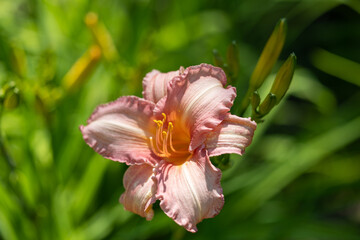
(170, 128)
(159, 129)
(155, 149)
(158, 122)
(165, 137)
(163, 146)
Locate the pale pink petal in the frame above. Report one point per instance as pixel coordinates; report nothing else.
(191, 191)
(140, 188)
(233, 135)
(155, 84)
(120, 130)
(199, 99)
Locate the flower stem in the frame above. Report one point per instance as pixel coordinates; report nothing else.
(245, 101)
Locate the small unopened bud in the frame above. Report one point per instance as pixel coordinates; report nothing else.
(269, 55)
(233, 59)
(267, 104)
(283, 78)
(218, 60)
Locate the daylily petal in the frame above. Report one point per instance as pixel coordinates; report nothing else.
(191, 191)
(199, 99)
(233, 135)
(155, 84)
(119, 130)
(140, 189)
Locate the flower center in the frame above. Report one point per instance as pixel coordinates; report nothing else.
(166, 145)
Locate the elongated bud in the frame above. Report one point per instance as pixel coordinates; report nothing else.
(269, 55)
(283, 78)
(218, 60)
(232, 56)
(266, 62)
(101, 36)
(267, 104)
(82, 68)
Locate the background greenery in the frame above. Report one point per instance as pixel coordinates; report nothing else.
(300, 179)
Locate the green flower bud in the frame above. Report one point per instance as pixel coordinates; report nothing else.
(267, 104)
(218, 60)
(232, 56)
(283, 78)
(266, 62)
(269, 55)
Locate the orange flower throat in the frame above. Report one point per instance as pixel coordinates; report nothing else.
(166, 145)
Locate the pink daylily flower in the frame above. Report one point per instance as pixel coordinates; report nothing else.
(167, 138)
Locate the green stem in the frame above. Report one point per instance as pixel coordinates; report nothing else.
(3, 149)
(245, 101)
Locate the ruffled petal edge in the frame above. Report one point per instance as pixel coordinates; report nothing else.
(233, 135)
(119, 130)
(140, 188)
(190, 192)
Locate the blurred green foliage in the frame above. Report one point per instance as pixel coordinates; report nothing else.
(300, 179)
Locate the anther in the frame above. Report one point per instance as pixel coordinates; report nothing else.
(158, 122)
(160, 125)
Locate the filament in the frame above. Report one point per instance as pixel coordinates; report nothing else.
(163, 146)
(155, 149)
(165, 137)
